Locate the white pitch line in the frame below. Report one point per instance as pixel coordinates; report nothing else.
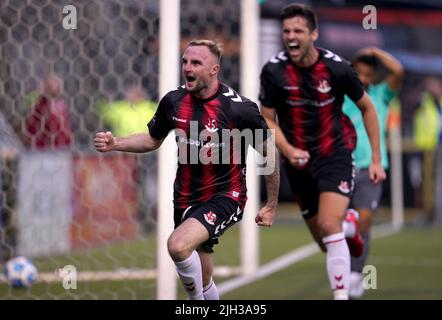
(221, 271)
(289, 259)
(269, 268)
(121, 274)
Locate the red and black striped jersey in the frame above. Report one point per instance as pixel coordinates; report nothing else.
(308, 101)
(210, 162)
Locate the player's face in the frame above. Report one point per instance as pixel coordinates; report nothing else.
(200, 67)
(365, 73)
(53, 87)
(297, 38)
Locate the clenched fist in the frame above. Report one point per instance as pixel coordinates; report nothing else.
(265, 216)
(297, 157)
(104, 141)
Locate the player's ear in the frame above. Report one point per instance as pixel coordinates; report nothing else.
(314, 34)
(215, 69)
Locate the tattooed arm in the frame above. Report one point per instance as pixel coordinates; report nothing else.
(266, 215)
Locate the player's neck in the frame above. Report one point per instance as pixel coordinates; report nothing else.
(310, 58)
(208, 92)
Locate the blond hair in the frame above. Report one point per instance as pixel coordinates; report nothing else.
(214, 47)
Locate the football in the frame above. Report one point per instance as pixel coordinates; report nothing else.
(20, 272)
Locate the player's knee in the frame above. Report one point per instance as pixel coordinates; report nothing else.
(329, 225)
(177, 248)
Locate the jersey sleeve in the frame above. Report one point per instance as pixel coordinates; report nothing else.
(159, 126)
(268, 90)
(351, 84)
(251, 118)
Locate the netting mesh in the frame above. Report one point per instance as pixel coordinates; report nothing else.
(62, 203)
(219, 21)
(114, 46)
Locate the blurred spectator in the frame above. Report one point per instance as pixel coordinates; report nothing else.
(434, 90)
(48, 122)
(427, 120)
(130, 115)
(432, 103)
(427, 137)
(126, 117)
(46, 205)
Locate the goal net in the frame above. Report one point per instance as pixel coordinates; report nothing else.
(87, 220)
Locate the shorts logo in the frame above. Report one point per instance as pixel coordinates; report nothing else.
(343, 187)
(210, 217)
(235, 217)
(235, 194)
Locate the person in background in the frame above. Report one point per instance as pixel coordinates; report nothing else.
(48, 125)
(304, 87)
(366, 195)
(129, 116)
(428, 134)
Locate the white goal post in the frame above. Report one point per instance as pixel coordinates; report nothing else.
(169, 80)
(249, 73)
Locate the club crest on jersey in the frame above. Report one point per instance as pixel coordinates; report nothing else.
(211, 125)
(343, 187)
(210, 217)
(323, 87)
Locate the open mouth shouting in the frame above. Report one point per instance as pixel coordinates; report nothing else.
(190, 80)
(293, 47)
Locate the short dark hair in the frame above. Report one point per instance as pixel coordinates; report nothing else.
(302, 10)
(214, 47)
(366, 59)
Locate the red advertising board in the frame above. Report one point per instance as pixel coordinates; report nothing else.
(105, 200)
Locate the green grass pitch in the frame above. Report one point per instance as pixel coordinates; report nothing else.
(408, 265)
